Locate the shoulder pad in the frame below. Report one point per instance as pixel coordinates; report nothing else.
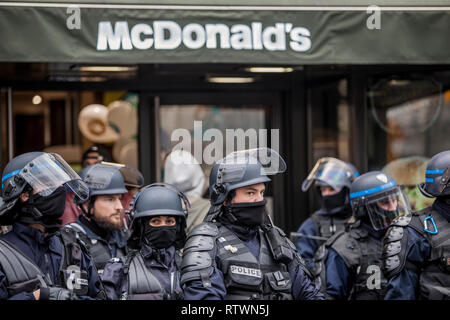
(198, 253)
(401, 221)
(205, 229)
(199, 243)
(395, 245)
(195, 265)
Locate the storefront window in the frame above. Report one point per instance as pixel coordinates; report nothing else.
(408, 124)
(69, 122)
(330, 120)
(231, 127)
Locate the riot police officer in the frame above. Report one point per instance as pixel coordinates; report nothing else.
(332, 178)
(233, 254)
(151, 270)
(417, 249)
(99, 225)
(37, 260)
(348, 265)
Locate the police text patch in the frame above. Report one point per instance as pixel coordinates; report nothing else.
(245, 271)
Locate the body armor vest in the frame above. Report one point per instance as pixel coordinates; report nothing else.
(362, 255)
(142, 283)
(245, 277)
(23, 275)
(327, 226)
(98, 249)
(434, 281)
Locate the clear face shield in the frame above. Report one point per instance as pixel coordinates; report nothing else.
(48, 172)
(233, 167)
(333, 172)
(385, 207)
(99, 176)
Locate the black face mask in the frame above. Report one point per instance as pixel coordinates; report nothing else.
(51, 207)
(249, 214)
(160, 237)
(335, 201)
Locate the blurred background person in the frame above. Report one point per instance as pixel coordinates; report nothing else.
(410, 172)
(182, 170)
(95, 154)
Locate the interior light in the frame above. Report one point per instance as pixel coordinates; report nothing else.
(230, 79)
(107, 68)
(269, 69)
(37, 99)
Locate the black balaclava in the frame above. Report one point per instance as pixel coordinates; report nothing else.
(250, 214)
(335, 201)
(44, 210)
(159, 237)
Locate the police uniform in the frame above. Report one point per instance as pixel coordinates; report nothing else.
(145, 274)
(29, 260)
(103, 247)
(223, 261)
(417, 262)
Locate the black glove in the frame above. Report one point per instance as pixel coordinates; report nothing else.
(53, 293)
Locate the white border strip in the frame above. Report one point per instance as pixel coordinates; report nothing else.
(212, 7)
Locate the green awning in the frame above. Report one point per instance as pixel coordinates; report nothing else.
(259, 32)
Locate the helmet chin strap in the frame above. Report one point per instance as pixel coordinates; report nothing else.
(88, 213)
(424, 192)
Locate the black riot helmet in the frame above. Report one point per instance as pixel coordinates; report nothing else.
(437, 176)
(41, 173)
(245, 168)
(377, 196)
(213, 178)
(158, 199)
(102, 179)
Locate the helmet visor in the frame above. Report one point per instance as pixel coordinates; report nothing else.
(48, 172)
(232, 167)
(385, 207)
(333, 172)
(99, 176)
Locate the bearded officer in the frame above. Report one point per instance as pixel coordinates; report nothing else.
(417, 250)
(349, 264)
(37, 260)
(233, 254)
(332, 179)
(99, 226)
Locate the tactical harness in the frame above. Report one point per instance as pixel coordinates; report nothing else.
(362, 255)
(434, 275)
(23, 275)
(142, 283)
(245, 276)
(327, 226)
(98, 249)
